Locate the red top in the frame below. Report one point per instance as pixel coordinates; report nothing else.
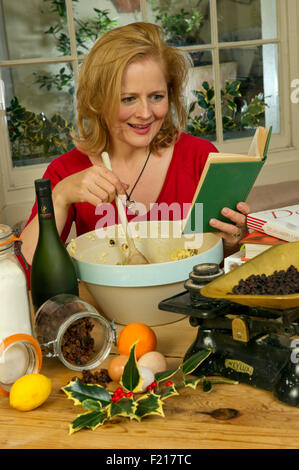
(188, 159)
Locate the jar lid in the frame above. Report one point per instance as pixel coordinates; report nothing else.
(6, 234)
(20, 354)
(5, 231)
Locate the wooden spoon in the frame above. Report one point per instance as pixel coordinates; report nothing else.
(134, 257)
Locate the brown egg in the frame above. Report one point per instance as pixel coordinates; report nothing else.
(116, 367)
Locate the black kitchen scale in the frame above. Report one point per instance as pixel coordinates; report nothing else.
(250, 344)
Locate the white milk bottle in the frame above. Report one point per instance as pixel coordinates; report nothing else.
(20, 353)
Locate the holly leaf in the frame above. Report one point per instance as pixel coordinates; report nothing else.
(169, 391)
(124, 407)
(193, 382)
(78, 391)
(149, 405)
(91, 420)
(207, 386)
(160, 376)
(194, 361)
(90, 404)
(131, 379)
(222, 380)
(192, 106)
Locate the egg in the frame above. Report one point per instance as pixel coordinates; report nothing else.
(147, 375)
(116, 367)
(153, 360)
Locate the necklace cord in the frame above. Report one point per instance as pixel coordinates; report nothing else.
(140, 174)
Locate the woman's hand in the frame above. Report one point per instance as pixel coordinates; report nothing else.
(233, 232)
(95, 185)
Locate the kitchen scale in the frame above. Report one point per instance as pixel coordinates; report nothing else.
(252, 344)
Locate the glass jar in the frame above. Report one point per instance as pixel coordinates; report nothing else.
(20, 353)
(69, 328)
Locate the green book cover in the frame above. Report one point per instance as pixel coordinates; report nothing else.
(225, 184)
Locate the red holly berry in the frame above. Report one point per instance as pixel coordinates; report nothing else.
(168, 383)
(149, 388)
(129, 394)
(154, 384)
(119, 390)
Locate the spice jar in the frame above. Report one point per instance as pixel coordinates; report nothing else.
(69, 328)
(20, 353)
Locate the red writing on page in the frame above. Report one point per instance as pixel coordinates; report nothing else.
(278, 214)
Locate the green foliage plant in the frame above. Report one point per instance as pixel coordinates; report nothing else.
(135, 404)
(86, 33)
(35, 135)
(181, 28)
(234, 117)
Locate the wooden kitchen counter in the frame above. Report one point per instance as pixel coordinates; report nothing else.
(262, 423)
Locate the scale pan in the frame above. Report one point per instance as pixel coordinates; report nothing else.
(279, 257)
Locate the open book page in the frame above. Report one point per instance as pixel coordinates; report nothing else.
(231, 157)
(255, 152)
(258, 143)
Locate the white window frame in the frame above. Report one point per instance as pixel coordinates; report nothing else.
(283, 159)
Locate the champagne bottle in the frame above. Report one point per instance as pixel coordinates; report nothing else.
(52, 270)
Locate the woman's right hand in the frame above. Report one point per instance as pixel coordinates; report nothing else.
(95, 185)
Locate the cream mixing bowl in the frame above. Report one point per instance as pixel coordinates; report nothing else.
(131, 293)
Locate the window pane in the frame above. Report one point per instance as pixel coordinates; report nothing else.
(94, 18)
(33, 28)
(39, 114)
(200, 97)
(185, 22)
(244, 20)
(250, 98)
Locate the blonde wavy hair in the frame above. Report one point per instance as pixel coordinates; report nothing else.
(99, 90)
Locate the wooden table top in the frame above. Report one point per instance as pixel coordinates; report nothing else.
(262, 423)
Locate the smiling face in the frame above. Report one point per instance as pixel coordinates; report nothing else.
(143, 106)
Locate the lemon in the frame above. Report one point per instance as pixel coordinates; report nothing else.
(29, 392)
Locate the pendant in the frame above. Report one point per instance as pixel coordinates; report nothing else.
(130, 204)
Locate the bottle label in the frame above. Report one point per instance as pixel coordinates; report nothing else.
(45, 208)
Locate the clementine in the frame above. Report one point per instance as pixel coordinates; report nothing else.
(136, 332)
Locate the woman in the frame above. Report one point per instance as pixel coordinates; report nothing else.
(130, 103)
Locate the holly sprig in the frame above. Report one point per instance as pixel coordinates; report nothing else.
(128, 400)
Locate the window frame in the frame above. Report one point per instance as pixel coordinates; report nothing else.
(284, 146)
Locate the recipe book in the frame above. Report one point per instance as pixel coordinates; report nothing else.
(226, 180)
(282, 222)
(256, 242)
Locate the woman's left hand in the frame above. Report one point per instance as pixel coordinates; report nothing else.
(233, 232)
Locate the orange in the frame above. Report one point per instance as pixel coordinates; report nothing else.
(146, 337)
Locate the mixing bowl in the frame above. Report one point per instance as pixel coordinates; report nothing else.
(132, 293)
